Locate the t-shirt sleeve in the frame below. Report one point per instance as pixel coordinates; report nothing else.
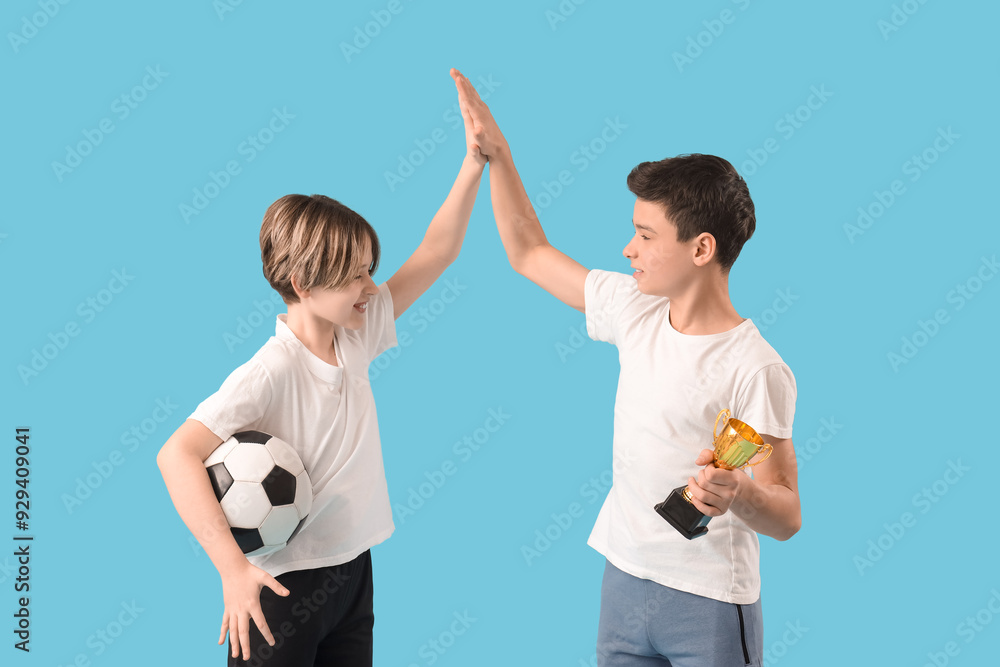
(379, 331)
(240, 402)
(768, 401)
(606, 295)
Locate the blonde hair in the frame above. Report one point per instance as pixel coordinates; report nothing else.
(316, 239)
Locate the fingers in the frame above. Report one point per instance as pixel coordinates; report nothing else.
(466, 114)
(244, 632)
(275, 585)
(234, 637)
(708, 503)
(705, 457)
(225, 626)
(465, 87)
(258, 618)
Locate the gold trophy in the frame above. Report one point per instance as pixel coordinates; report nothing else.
(734, 447)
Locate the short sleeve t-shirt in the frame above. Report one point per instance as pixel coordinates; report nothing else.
(670, 390)
(327, 414)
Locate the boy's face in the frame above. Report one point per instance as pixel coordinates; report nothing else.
(345, 307)
(663, 265)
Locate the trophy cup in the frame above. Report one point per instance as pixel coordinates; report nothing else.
(734, 447)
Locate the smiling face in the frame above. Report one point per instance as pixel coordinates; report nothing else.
(663, 265)
(344, 307)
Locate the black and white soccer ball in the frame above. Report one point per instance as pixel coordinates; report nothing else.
(263, 488)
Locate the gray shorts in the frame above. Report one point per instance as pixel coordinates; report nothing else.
(644, 623)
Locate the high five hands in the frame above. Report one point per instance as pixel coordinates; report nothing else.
(482, 135)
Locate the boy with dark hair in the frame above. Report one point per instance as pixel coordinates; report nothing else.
(685, 355)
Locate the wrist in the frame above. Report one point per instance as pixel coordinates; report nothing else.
(501, 154)
(470, 163)
(744, 493)
(231, 561)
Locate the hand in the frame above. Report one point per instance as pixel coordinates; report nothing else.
(241, 591)
(482, 134)
(715, 489)
(472, 140)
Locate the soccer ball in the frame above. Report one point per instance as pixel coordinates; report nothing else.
(263, 488)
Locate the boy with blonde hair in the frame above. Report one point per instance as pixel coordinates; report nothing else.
(308, 385)
(685, 355)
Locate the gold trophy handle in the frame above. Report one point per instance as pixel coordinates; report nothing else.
(767, 449)
(715, 427)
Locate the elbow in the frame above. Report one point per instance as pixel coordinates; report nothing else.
(444, 255)
(165, 456)
(791, 529)
(518, 264)
(523, 260)
(161, 458)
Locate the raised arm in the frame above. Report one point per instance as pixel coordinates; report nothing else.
(444, 236)
(528, 251)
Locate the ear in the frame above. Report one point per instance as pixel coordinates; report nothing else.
(704, 249)
(299, 292)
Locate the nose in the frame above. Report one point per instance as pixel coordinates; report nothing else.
(370, 286)
(627, 250)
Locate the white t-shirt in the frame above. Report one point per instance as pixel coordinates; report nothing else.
(327, 414)
(670, 389)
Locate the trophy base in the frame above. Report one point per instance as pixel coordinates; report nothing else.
(682, 515)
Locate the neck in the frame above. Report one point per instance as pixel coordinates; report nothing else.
(315, 333)
(704, 308)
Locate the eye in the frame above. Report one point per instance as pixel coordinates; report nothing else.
(643, 237)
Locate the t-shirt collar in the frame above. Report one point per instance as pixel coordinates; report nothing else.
(322, 370)
(745, 325)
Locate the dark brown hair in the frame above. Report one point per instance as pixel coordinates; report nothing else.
(700, 193)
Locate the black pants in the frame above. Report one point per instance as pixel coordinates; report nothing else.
(326, 619)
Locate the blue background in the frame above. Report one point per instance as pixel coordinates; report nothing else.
(855, 586)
